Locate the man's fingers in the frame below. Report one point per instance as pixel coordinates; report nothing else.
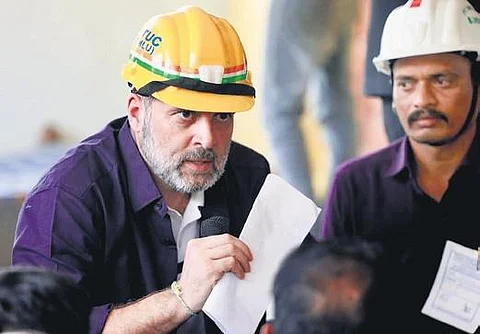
(222, 239)
(217, 255)
(230, 250)
(229, 264)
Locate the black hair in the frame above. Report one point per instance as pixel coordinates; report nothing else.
(42, 300)
(306, 303)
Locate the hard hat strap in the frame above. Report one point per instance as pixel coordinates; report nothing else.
(467, 122)
(472, 56)
(197, 85)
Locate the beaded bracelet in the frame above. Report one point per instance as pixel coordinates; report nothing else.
(177, 291)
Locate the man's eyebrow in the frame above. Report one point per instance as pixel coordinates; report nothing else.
(176, 110)
(433, 75)
(450, 75)
(403, 77)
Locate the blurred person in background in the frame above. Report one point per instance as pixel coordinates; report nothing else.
(377, 84)
(306, 60)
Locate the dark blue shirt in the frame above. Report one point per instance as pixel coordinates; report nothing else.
(377, 197)
(98, 216)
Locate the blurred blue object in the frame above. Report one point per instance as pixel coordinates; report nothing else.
(20, 172)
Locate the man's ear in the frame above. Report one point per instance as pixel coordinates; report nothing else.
(135, 112)
(267, 329)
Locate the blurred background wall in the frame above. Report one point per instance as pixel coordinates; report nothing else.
(60, 64)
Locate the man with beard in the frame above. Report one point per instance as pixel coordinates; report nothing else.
(122, 212)
(423, 190)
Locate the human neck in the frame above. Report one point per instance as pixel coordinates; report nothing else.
(174, 199)
(435, 165)
(445, 157)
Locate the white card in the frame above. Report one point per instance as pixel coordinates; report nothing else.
(455, 295)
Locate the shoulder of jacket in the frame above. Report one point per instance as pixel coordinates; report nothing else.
(243, 156)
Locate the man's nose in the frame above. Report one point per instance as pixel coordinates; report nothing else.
(425, 96)
(204, 132)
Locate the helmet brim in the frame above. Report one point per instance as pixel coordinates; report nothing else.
(204, 102)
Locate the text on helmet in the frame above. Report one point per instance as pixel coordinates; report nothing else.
(149, 41)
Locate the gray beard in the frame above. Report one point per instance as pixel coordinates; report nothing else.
(167, 167)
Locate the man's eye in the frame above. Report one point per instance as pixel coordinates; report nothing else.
(404, 84)
(223, 116)
(443, 81)
(186, 114)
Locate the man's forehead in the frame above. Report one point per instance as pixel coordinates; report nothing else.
(442, 62)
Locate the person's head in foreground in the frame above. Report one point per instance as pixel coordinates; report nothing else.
(34, 300)
(431, 48)
(334, 286)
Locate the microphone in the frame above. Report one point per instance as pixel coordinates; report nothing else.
(210, 226)
(214, 225)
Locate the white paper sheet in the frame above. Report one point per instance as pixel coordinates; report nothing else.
(455, 295)
(280, 219)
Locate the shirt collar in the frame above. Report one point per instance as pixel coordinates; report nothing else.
(192, 211)
(404, 160)
(141, 186)
(401, 159)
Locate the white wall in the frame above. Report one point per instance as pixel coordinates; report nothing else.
(60, 61)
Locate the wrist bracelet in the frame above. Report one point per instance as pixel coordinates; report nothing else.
(177, 291)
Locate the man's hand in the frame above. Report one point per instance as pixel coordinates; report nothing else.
(206, 261)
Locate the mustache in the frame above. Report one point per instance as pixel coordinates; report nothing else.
(420, 113)
(200, 153)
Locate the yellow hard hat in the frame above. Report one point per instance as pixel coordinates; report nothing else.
(191, 60)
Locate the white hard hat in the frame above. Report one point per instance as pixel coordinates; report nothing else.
(421, 27)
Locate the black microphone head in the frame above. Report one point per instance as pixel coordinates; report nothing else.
(214, 225)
